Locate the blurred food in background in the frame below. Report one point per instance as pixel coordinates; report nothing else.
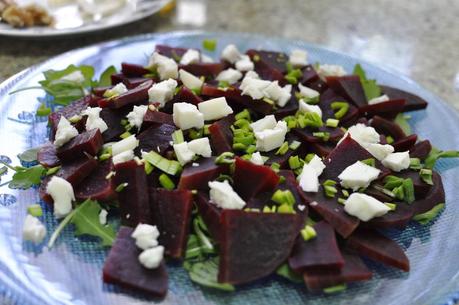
(24, 16)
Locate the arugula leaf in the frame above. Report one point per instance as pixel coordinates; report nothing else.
(25, 178)
(402, 121)
(105, 78)
(30, 155)
(286, 272)
(370, 87)
(436, 154)
(205, 273)
(430, 215)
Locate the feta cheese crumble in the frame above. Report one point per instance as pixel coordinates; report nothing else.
(186, 116)
(231, 53)
(244, 64)
(257, 159)
(215, 109)
(308, 179)
(146, 236)
(103, 217)
(358, 175)
(191, 56)
(317, 164)
(124, 156)
(362, 134)
(298, 58)
(229, 75)
(330, 70)
(189, 80)
(65, 132)
(223, 196)
(397, 161)
(305, 107)
(380, 151)
(94, 121)
(379, 99)
(33, 230)
(201, 147)
(364, 207)
(281, 95)
(308, 92)
(162, 92)
(270, 139)
(62, 193)
(129, 143)
(152, 258)
(183, 153)
(166, 67)
(135, 117)
(118, 89)
(268, 122)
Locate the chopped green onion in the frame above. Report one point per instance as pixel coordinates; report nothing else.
(309, 119)
(177, 136)
(125, 135)
(308, 233)
(341, 200)
(291, 121)
(196, 91)
(52, 170)
(267, 209)
(430, 215)
(408, 190)
(121, 187)
(223, 84)
(436, 154)
(294, 162)
(369, 162)
(426, 175)
(332, 123)
(268, 101)
(281, 197)
(275, 166)
(104, 157)
(345, 193)
(239, 146)
(391, 182)
(286, 272)
(341, 108)
(283, 149)
(166, 182)
(43, 110)
(294, 145)
(124, 122)
(390, 140)
(223, 177)
(329, 182)
(252, 210)
(256, 58)
(391, 206)
(251, 149)
(415, 163)
(225, 158)
(35, 210)
(329, 189)
(205, 129)
(209, 44)
(195, 134)
(335, 289)
(170, 167)
(325, 136)
(285, 209)
(311, 100)
(309, 157)
(243, 115)
(293, 75)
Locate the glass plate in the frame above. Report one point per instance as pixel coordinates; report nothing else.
(70, 273)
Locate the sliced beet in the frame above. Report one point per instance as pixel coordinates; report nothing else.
(268, 64)
(413, 102)
(88, 142)
(307, 134)
(435, 196)
(171, 52)
(289, 109)
(208, 70)
(421, 149)
(319, 253)
(122, 267)
(319, 85)
(309, 75)
(254, 244)
(350, 87)
(171, 213)
(133, 82)
(155, 118)
(221, 136)
(406, 143)
(378, 247)
(113, 117)
(96, 186)
(133, 69)
(354, 270)
(262, 178)
(321, 149)
(282, 160)
(397, 219)
(210, 214)
(155, 138)
(198, 177)
(327, 98)
(388, 109)
(387, 127)
(421, 189)
(135, 96)
(184, 95)
(133, 198)
(117, 78)
(47, 155)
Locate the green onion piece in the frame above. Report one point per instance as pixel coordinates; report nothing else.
(330, 191)
(52, 170)
(426, 175)
(246, 140)
(121, 187)
(281, 179)
(205, 129)
(268, 101)
(308, 233)
(225, 158)
(124, 122)
(166, 182)
(281, 197)
(294, 145)
(408, 190)
(309, 157)
(283, 149)
(148, 168)
(196, 91)
(104, 157)
(252, 210)
(291, 121)
(345, 193)
(43, 110)
(223, 84)
(391, 182)
(329, 182)
(285, 209)
(399, 192)
(243, 115)
(415, 163)
(170, 167)
(267, 209)
(311, 100)
(341, 108)
(310, 119)
(390, 140)
(239, 146)
(209, 44)
(291, 79)
(35, 210)
(325, 136)
(335, 289)
(341, 200)
(177, 136)
(294, 162)
(391, 206)
(286, 272)
(332, 123)
(430, 215)
(223, 177)
(369, 162)
(289, 66)
(436, 154)
(256, 58)
(195, 134)
(125, 135)
(251, 149)
(275, 166)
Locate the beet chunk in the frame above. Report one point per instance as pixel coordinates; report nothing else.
(253, 245)
(421, 149)
(320, 253)
(88, 142)
(133, 69)
(413, 102)
(387, 127)
(397, 219)
(269, 65)
(47, 155)
(354, 270)
(388, 109)
(307, 134)
(113, 117)
(406, 143)
(350, 87)
(171, 52)
(378, 247)
(155, 138)
(122, 267)
(184, 95)
(210, 214)
(155, 118)
(171, 213)
(435, 196)
(134, 96)
(197, 177)
(221, 137)
(96, 186)
(325, 101)
(421, 189)
(309, 75)
(289, 109)
(262, 178)
(208, 70)
(134, 200)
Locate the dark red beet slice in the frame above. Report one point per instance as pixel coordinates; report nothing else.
(291, 184)
(117, 78)
(378, 247)
(397, 219)
(354, 270)
(122, 267)
(319, 253)
(155, 138)
(421, 149)
(197, 177)
(99, 91)
(171, 213)
(221, 137)
(269, 65)
(388, 109)
(133, 82)
(435, 196)
(172, 52)
(421, 189)
(47, 156)
(387, 127)
(74, 172)
(134, 96)
(262, 178)
(210, 214)
(282, 160)
(113, 117)
(133, 70)
(350, 87)
(307, 134)
(309, 75)
(321, 149)
(406, 143)
(413, 102)
(89, 142)
(184, 95)
(133, 198)
(289, 109)
(254, 244)
(208, 70)
(96, 186)
(327, 98)
(155, 118)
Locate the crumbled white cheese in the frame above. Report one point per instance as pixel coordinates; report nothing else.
(244, 64)
(379, 151)
(135, 117)
(215, 109)
(118, 89)
(162, 92)
(317, 164)
(62, 193)
(301, 207)
(129, 143)
(65, 132)
(183, 153)
(397, 161)
(189, 80)
(229, 75)
(254, 87)
(308, 92)
(166, 67)
(281, 95)
(231, 53)
(194, 164)
(152, 258)
(33, 230)
(124, 156)
(362, 134)
(94, 121)
(251, 74)
(201, 147)
(364, 207)
(270, 139)
(191, 56)
(146, 236)
(379, 99)
(207, 59)
(75, 76)
(186, 116)
(330, 70)
(358, 175)
(268, 122)
(305, 107)
(257, 158)
(308, 179)
(103, 217)
(298, 58)
(223, 196)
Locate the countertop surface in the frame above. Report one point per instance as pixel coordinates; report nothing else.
(420, 39)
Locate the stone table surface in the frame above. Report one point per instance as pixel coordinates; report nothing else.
(419, 39)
